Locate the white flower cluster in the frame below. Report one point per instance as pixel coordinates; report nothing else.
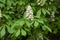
(29, 13)
(0, 14)
(53, 15)
(41, 2)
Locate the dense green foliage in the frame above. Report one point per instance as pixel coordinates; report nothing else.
(15, 26)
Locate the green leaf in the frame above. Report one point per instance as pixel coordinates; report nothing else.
(18, 23)
(2, 1)
(10, 30)
(54, 8)
(2, 32)
(43, 28)
(36, 24)
(1, 5)
(43, 11)
(22, 23)
(17, 33)
(28, 23)
(23, 32)
(41, 21)
(27, 29)
(55, 30)
(21, 2)
(47, 28)
(9, 2)
(0, 27)
(47, 12)
(38, 13)
(6, 16)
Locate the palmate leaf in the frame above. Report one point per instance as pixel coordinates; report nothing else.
(14, 11)
(8, 26)
(2, 32)
(19, 23)
(10, 30)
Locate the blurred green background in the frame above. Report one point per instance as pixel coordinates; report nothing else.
(29, 19)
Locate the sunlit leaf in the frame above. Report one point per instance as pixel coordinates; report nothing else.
(43, 11)
(23, 32)
(21, 23)
(28, 23)
(41, 21)
(38, 13)
(10, 30)
(36, 24)
(17, 33)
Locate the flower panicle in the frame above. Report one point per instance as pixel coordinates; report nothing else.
(29, 13)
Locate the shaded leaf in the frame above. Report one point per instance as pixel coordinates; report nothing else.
(47, 28)
(2, 32)
(47, 12)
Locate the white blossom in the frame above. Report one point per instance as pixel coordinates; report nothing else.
(38, 1)
(29, 12)
(41, 2)
(53, 16)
